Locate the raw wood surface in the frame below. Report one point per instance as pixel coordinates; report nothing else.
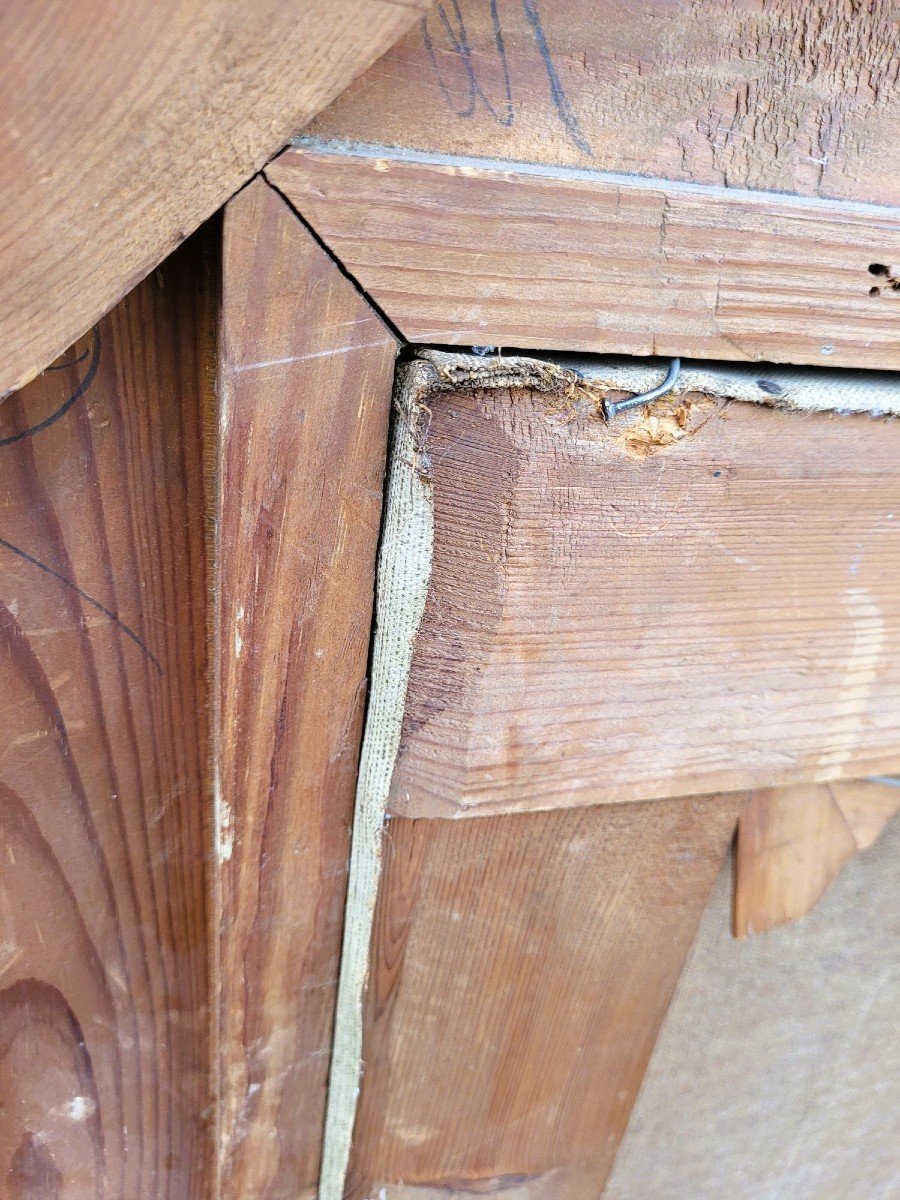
(484, 254)
(699, 597)
(521, 967)
(867, 806)
(126, 125)
(104, 1032)
(306, 377)
(782, 96)
(793, 842)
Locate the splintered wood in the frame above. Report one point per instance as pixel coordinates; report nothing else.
(793, 842)
(701, 598)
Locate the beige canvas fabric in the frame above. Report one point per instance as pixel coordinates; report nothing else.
(404, 570)
(802, 389)
(777, 1072)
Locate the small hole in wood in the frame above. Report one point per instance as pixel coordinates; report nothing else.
(874, 291)
(878, 269)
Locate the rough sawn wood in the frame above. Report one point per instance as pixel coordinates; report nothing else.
(701, 597)
(127, 125)
(778, 96)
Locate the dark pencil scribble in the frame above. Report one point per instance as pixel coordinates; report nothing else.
(68, 362)
(458, 37)
(107, 612)
(560, 100)
(79, 391)
(460, 42)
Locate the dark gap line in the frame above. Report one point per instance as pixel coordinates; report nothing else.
(351, 279)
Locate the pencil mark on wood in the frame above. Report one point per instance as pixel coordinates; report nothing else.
(459, 40)
(81, 388)
(557, 92)
(769, 97)
(461, 48)
(531, 287)
(68, 362)
(303, 425)
(107, 612)
(104, 991)
(86, 213)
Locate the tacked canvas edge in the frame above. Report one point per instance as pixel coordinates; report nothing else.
(403, 578)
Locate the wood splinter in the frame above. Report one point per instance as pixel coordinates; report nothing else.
(793, 842)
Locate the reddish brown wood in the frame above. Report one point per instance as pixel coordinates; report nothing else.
(127, 125)
(305, 378)
(521, 967)
(476, 253)
(104, 1027)
(782, 96)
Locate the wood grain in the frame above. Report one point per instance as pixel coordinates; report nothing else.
(306, 377)
(699, 598)
(476, 253)
(521, 969)
(782, 97)
(867, 806)
(126, 125)
(104, 1033)
(793, 842)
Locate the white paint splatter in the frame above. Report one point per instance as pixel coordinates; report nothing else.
(238, 639)
(78, 1109)
(223, 819)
